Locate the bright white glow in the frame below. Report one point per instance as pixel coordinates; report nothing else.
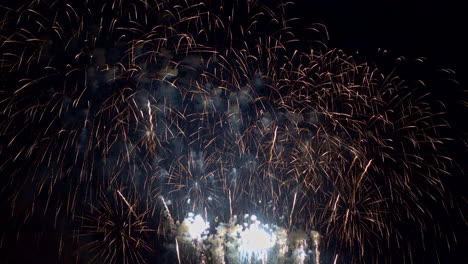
(197, 226)
(247, 241)
(256, 241)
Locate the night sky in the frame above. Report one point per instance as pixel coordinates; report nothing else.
(434, 30)
(429, 36)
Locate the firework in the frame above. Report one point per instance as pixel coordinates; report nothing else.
(245, 240)
(114, 231)
(132, 114)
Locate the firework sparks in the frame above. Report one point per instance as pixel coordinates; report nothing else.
(132, 114)
(246, 241)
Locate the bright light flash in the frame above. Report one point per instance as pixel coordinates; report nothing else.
(197, 227)
(246, 241)
(256, 240)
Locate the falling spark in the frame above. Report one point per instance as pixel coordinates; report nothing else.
(122, 117)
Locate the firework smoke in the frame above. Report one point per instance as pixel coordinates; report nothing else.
(122, 117)
(246, 241)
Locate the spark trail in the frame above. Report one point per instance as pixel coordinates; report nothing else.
(124, 116)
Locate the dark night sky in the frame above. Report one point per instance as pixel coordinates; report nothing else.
(409, 28)
(438, 31)
(404, 28)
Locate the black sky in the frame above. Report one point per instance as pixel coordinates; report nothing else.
(437, 31)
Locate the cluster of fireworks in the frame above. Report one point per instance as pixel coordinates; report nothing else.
(246, 241)
(215, 107)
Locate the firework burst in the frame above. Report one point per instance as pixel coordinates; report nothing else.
(114, 231)
(132, 114)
